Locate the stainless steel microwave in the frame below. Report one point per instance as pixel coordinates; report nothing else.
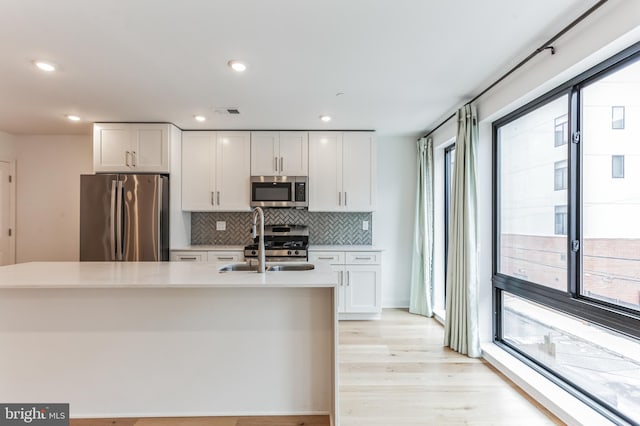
(279, 191)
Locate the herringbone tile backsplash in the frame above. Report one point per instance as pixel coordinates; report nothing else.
(324, 228)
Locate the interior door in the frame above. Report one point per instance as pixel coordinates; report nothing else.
(7, 252)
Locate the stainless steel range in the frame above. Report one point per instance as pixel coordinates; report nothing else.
(281, 243)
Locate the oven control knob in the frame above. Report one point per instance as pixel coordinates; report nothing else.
(297, 252)
(253, 252)
(289, 252)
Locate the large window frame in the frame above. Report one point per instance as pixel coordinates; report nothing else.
(570, 301)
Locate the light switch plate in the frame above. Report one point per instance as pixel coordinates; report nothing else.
(365, 225)
(221, 225)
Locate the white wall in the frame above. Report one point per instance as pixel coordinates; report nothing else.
(394, 217)
(48, 195)
(7, 146)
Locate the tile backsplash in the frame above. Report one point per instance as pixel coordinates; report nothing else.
(324, 228)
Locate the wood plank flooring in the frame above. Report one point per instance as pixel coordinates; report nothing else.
(395, 372)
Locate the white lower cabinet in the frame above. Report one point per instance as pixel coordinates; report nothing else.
(359, 291)
(188, 256)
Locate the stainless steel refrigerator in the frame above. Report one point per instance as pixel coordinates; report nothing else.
(124, 217)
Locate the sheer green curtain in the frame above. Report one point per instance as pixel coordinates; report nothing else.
(422, 264)
(461, 322)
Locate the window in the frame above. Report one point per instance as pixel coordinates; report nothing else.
(560, 134)
(568, 299)
(617, 117)
(560, 176)
(560, 220)
(617, 166)
(530, 244)
(449, 162)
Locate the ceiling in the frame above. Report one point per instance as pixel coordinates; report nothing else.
(394, 66)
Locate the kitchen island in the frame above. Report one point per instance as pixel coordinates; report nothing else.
(168, 339)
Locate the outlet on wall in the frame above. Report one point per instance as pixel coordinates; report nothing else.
(365, 225)
(221, 225)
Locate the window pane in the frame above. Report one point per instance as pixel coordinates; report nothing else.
(617, 166)
(561, 177)
(617, 117)
(602, 362)
(561, 132)
(611, 190)
(532, 242)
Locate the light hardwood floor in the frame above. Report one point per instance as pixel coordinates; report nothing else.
(395, 372)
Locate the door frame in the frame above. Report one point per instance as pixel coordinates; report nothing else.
(12, 209)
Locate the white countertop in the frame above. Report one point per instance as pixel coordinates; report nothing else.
(153, 275)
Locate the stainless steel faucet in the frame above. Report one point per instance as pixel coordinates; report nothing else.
(257, 212)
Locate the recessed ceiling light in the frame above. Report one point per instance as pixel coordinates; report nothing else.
(325, 118)
(45, 66)
(73, 117)
(237, 66)
(200, 117)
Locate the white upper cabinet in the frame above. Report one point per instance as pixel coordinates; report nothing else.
(131, 147)
(342, 171)
(215, 171)
(279, 153)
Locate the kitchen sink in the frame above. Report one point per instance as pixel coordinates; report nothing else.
(246, 267)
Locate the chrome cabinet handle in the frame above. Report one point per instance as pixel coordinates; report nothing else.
(133, 158)
(339, 198)
(224, 257)
(325, 257)
(126, 158)
(282, 164)
(218, 197)
(348, 278)
(187, 258)
(363, 258)
(213, 201)
(345, 198)
(341, 278)
(276, 161)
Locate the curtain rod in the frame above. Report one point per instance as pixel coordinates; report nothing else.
(546, 46)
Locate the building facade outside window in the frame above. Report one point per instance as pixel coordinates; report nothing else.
(560, 177)
(560, 134)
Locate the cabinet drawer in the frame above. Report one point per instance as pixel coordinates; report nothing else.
(225, 256)
(363, 258)
(189, 256)
(332, 257)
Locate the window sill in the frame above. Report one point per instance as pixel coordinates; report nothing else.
(565, 406)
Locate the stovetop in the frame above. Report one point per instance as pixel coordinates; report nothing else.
(282, 241)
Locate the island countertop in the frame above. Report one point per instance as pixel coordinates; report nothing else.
(153, 275)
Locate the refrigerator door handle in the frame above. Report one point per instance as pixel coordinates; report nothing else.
(112, 221)
(119, 243)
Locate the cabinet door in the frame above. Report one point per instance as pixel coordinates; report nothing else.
(111, 147)
(358, 175)
(325, 171)
(150, 148)
(294, 154)
(233, 171)
(265, 159)
(363, 289)
(339, 272)
(198, 160)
